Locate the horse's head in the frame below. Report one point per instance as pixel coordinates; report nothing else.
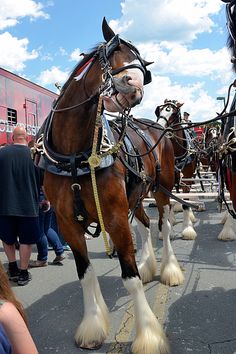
(126, 72)
(231, 24)
(114, 70)
(169, 113)
(211, 136)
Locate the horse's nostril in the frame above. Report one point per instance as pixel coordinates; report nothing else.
(127, 78)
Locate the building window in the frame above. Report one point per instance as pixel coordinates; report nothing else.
(11, 116)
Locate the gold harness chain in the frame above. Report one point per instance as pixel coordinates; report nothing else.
(94, 161)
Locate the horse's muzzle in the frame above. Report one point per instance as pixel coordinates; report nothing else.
(130, 87)
(122, 85)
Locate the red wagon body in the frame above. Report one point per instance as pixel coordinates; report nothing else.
(22, 102)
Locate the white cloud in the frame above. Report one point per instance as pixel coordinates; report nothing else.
(76, 55)
(177, 60)
(14, 52)
(12, 10)
(52, 76)
(167, 33)
(194, 96)
(170, 20)
(63, 51)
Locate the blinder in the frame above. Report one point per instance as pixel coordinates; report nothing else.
(114, 43)
(157, 112)
(147, 73)
(147, 77)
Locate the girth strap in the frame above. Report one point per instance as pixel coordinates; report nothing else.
(80, 213)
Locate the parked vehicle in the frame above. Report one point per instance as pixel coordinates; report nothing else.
(22, 102)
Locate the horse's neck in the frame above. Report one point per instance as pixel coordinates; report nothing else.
(179, 142)
(73, 130)
(73, 126)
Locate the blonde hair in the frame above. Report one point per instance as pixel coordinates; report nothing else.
(7, 294)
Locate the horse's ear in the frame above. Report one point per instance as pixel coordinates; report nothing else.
(108, 34)
(146, 63)
(180, 104)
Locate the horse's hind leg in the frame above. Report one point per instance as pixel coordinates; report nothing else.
(147, 266)
(170, 273)
(188, 232)
(150, 337)
(228, 233)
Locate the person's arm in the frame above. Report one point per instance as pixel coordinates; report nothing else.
(16, 330)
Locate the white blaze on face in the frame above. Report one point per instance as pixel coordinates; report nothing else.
(137, 77)
(214, 133)
(165, 115)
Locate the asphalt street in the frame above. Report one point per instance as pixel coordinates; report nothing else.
(198, 316)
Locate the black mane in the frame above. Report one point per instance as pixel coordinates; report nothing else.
(86, 57)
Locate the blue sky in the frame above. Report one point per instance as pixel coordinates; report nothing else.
(186, 39)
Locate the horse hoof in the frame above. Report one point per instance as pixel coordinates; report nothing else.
(91, 346)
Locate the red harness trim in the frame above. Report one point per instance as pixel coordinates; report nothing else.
(83, 67)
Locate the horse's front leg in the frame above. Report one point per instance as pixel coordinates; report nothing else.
(228, 232)
(170, 273)
(150, 337)
(94, 327)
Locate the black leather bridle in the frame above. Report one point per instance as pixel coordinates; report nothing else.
(108, 86)
(176, 115)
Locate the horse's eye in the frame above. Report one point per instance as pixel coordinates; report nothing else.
(168, 109)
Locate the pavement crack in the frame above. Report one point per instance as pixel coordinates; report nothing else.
(124, 331)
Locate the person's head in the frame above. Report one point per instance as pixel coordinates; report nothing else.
(186, 116)
(19, 135)
(7, 294)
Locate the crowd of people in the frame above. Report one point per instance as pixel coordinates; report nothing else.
(26, 219)
(25, 213)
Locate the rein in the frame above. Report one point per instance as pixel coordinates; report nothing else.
(221, 116)
(152, 148)
(58, 110)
